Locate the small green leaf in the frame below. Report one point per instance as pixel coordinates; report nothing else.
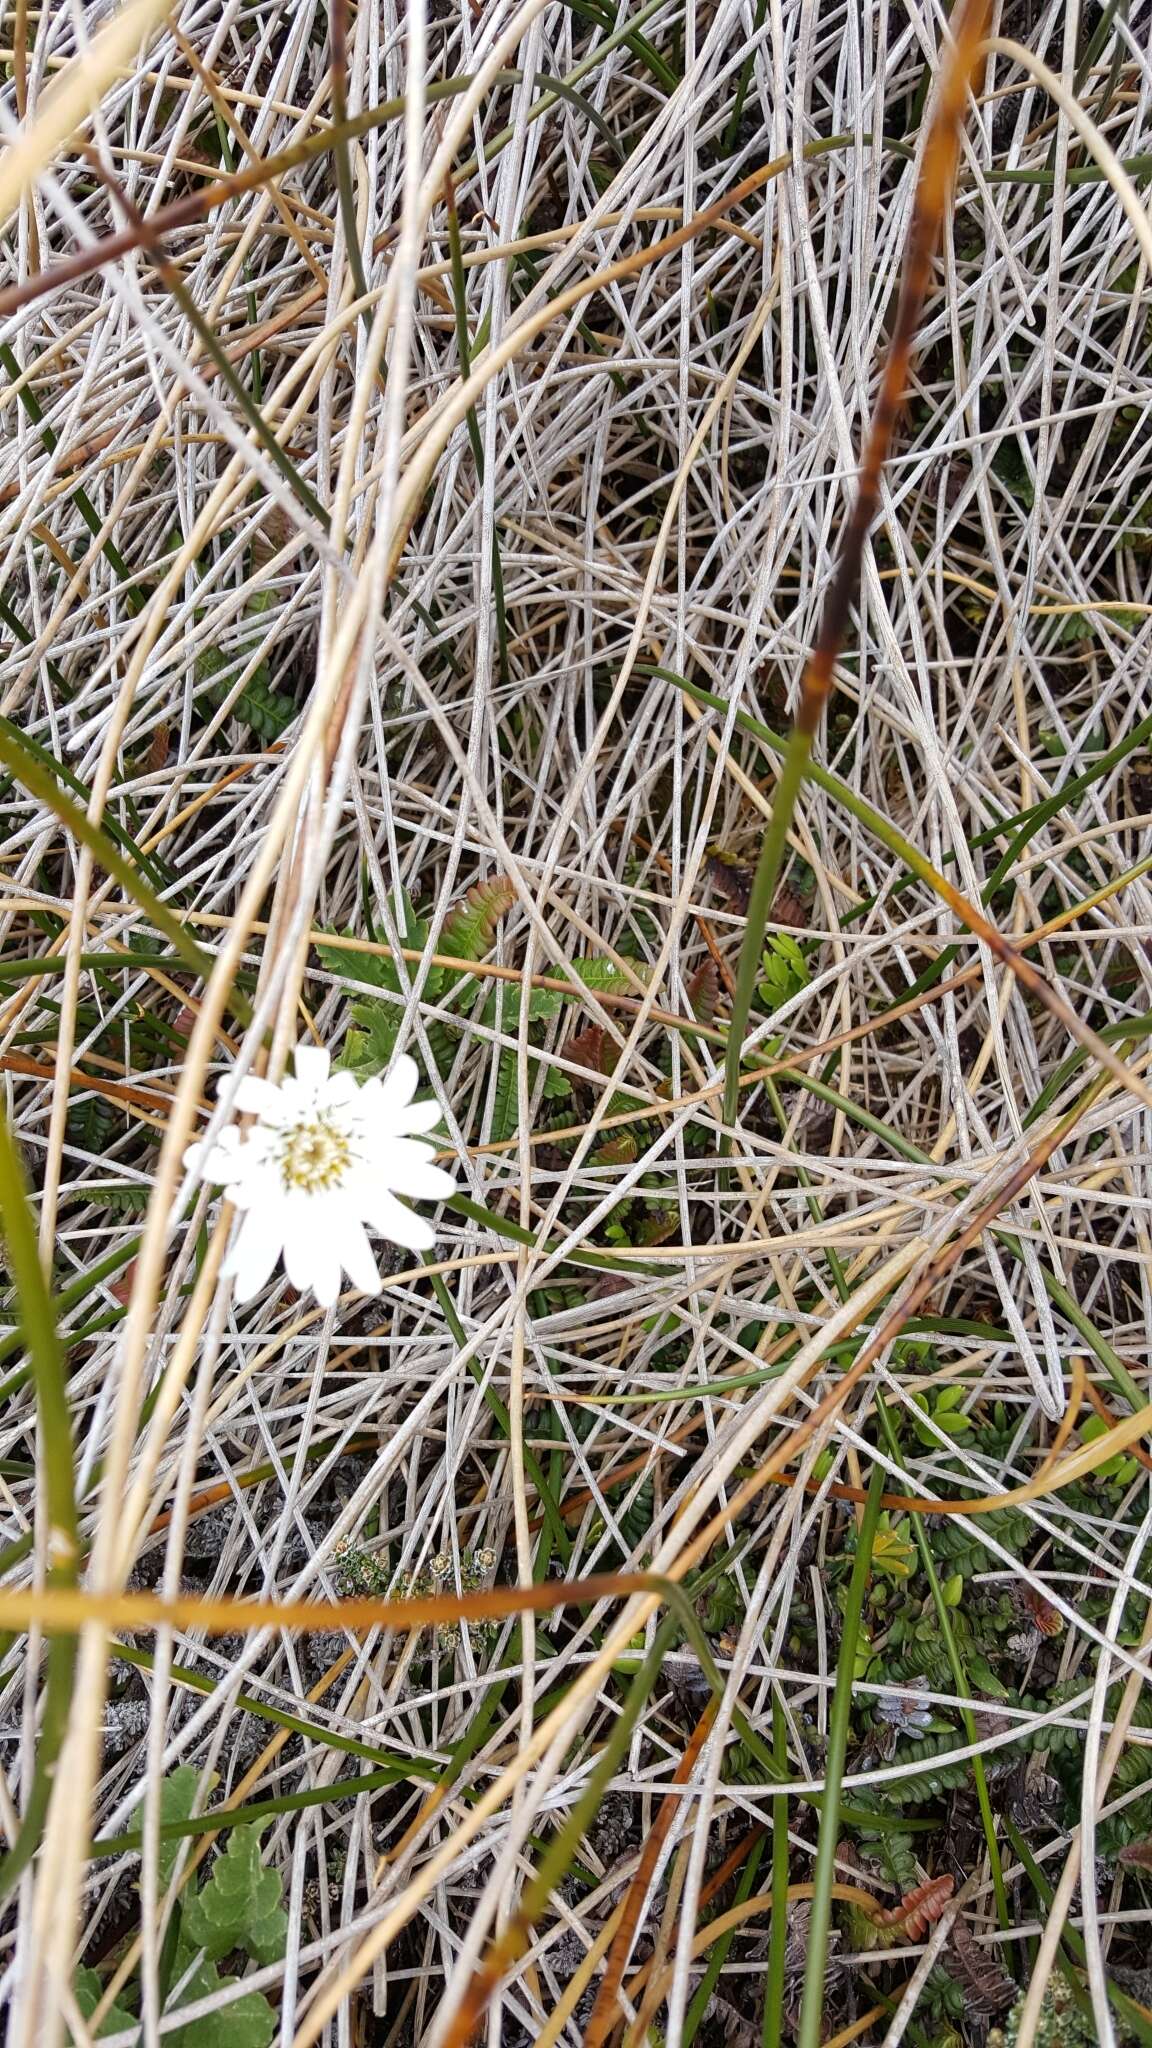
(177, 1802)
(893, 1552)
(983, 1677)
(248, 2022)
(239, 1907)
(784, 970)
(89, 1990)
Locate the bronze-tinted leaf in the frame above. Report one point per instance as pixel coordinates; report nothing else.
(1137, 1855)
(730, 878)
(919, 1908)
(987, 1986)
(789, 908)
(704, 992)
(591, 1048)
(1043, 1615)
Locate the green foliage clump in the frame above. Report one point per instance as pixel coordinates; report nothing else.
(360, 1575)
(961, 1550)
(1061, 2024)
(237, 1910)
(239, 1906)
(88, 1991)
(264, 709)
(943, 1415)
(783, 971)
(467, 935)
(248, 2022)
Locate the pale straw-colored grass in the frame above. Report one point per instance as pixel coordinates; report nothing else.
(668, 449)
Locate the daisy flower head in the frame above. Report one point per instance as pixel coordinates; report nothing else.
(326, 1155)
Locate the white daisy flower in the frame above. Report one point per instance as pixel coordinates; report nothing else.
(325, 1156)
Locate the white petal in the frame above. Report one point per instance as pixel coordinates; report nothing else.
(414, 1118)
(312, 1249)
(312, 1063)
(258, 1187)
(409, 1169)
(402, 1225)
(397, 1088)
(255, 1252)
(221, 1163)
(325, 1276)
(340, 1088)
(194, 1159)
(260, 1098)
(304, 1234)
(358, 1262)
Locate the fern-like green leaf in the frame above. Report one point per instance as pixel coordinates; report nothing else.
(504, 1101)
(470, 926)
(377, 970)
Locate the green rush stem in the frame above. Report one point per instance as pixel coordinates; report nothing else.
(253, 354)
(1112, 1363)
(265, 1809)
(960, 1680)
(597, 1262)
(276, 454)
(814, 1205)
(55, 1461)
(310, 1731)
(934, 181)
(873, 820)
(20, 633)
(1080, 174)
(1095, 46)
(768, 866)
(554, 1864)
(630, 37)
(718, 1954)
(1120, 1033)
(25, 769)
(45, 1356)
(40, 969)
(497, 1408)
(68, 1297)
(80, 498)
(812, 2004)
(183, 212)
(156, 873)
(1073, 1941)
(773, 2021)
(745, 79)
(258, 1810)
(60, 769)
(548, 99)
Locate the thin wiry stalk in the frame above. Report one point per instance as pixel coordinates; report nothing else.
(941, 152)
(287, 736)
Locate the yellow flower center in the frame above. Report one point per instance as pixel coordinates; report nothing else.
(314, 1156)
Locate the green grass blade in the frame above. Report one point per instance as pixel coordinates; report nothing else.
(812, 2003)
(55, 1460)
